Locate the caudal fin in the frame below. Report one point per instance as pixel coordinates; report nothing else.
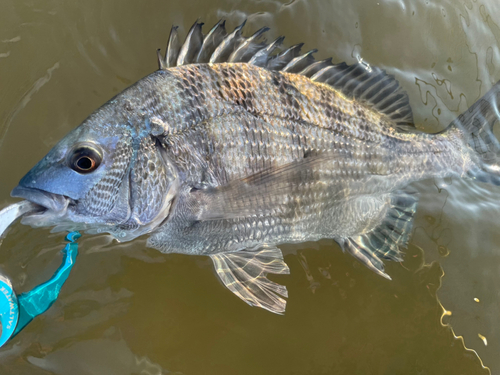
(476, 123)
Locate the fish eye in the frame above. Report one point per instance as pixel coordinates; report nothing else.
(84, 159)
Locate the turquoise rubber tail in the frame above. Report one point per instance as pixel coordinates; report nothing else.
(16, 313)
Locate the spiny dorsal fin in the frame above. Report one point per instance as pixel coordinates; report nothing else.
(249, 47)
(359, 81)
(191, 46)
(262, 57)
(211, 41)
(173, 47)
(371, 85)
(229, 44)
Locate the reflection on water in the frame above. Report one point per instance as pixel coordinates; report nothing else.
(130, 310)
(460, 231)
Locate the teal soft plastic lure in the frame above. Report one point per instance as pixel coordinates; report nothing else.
(17, 311)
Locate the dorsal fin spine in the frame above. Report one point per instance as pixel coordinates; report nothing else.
(172, 48)
(161, 61)
(262, 57)
(229, 42)
(300, 62)
(192, 45)
(359, 81)
(239, 54)
(211, 41)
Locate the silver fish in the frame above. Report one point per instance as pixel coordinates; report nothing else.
(231, 149)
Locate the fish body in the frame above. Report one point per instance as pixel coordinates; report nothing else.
(235, 151)
(225, 130)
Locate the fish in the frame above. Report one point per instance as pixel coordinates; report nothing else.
(235, 146)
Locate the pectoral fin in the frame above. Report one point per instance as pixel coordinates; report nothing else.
(261, 193)
(245, 274)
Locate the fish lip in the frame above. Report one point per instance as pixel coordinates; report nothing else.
(50, 201)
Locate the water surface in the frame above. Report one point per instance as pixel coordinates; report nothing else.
(130, 310)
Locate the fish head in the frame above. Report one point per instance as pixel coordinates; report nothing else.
(107, 175)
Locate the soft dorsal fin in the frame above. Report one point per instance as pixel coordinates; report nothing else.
(360, 81)
(371, 85)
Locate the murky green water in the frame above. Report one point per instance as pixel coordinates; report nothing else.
(130, 310)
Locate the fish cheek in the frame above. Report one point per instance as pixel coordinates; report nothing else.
(107, 200)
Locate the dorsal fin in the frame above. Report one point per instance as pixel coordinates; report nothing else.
(249, 47)
(228, 45)
(191, 46)
(370, 85)
(211, 41)
(173, 48)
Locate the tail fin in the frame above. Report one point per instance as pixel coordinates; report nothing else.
(476, 123)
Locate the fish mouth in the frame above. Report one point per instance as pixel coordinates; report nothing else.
(49, 201)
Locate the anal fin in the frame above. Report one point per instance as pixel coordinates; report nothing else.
(245, 274)
(384, 241)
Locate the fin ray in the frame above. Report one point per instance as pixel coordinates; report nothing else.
(262, 57)
(370, 85)
(299, 63)
(476, 124)
(228, 45)
(315, 67)
(239, 198)
(215, 36)
(245, 274)
(248, 47)
(384, 241)
(282, 59)
(192, 45)
(173, 48)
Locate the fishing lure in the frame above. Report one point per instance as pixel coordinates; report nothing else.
(16, 312)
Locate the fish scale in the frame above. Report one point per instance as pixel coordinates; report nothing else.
(102, 197)
(233, 149)
(313, 128)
